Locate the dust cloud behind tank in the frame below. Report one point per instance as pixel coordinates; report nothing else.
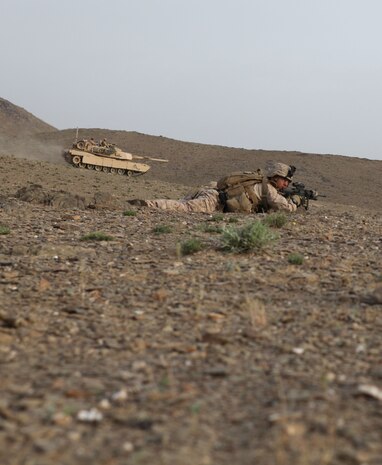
(107, 157)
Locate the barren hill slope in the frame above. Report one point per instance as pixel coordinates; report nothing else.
(344, 180)
(17, 130)
(15, 121)
(122, 344)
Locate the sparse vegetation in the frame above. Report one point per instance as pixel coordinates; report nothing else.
(129, 213)
(195, 407)
(190, 246)
(4, 230)
(209, 228)
(252, 236)
(275, 220)
(256, 311)
(211, 358)
(217, 217)
(296, 259)
(164, 383)
(162, 229)
(97, 236)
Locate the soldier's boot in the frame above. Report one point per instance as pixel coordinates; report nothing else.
(138, 202)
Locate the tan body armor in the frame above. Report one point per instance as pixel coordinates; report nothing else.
(238, 192)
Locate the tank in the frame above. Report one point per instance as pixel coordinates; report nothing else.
(107, 157)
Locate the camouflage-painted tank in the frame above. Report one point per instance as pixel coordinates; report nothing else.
(106, 157)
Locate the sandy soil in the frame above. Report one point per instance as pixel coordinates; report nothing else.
(126, 351)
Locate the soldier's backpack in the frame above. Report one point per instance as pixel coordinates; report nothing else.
(236, 191)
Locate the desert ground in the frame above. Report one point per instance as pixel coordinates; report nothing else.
(133, 350)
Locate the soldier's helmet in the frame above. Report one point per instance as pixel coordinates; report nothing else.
(279, 169)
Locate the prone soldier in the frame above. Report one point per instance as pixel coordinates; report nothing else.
(247, 192)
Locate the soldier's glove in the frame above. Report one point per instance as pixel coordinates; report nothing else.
(296, 199)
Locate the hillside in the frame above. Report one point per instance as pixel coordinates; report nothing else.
(131, 336)
(344, 180)
(15, 121)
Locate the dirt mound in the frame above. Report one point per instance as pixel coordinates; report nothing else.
(35, 193)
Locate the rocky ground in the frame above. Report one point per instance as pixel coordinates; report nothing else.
(129, 350)
(132, 351)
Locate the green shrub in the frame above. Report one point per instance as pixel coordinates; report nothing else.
(195, 407)
(275, 220)
(296, 259)
(130, 213)
(97, 236)
(232, 219)
(162, 229)
(251, 236)
(209, 228)
(190, 246)
(4, 230)
(217, 217)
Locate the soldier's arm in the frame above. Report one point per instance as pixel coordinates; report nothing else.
(278, 202)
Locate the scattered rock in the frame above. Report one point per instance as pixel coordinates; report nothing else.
(32, 193)
(371, 391)
(218, 371)
(8, 320)
(65, 200)
(90, 416)
(374, 297)
(104, 200)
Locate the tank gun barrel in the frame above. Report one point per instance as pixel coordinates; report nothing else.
(163, 160)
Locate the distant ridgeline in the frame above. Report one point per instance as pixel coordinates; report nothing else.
(15, 121)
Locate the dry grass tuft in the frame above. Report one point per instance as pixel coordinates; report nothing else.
(256, 311)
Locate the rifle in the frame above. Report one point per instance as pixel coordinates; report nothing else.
(298, 188)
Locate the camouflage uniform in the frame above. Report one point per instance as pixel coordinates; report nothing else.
(205, 200)
(209, 200)
(275, 200)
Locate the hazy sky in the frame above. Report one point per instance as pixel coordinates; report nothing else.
(272, 74)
